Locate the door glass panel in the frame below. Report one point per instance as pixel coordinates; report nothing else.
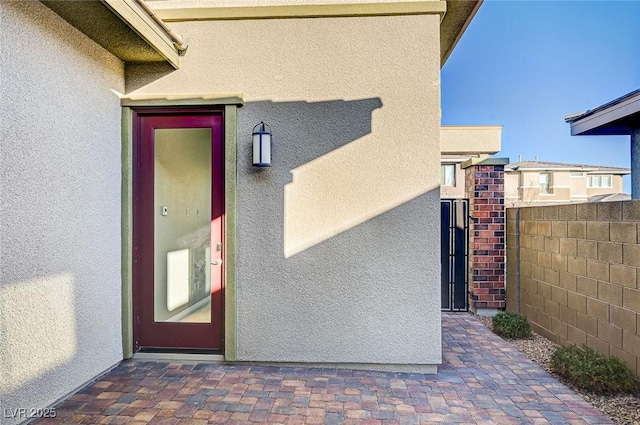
(182, 225)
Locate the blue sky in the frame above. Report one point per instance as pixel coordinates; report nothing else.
(525, 65)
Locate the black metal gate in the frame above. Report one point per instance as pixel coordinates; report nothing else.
(454, 254)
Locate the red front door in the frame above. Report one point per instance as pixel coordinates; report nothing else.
(178, 213)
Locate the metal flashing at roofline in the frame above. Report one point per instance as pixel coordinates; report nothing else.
(617, 117)
(547, 165)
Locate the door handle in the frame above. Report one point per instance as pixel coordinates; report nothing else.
(217, 262)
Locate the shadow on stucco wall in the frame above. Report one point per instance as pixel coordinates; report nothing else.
(335, 165)
(338, 241)
(138, 75)
(304, 135)
(304, 131)
(60, 230)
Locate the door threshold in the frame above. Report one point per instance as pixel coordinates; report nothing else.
(177, 356)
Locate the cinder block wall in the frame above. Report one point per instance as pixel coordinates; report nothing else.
(573, 271)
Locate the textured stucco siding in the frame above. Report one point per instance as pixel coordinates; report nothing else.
(60, 208)
(511, 187)
(338, 242)
(471, 140)
(578, 188)
(617, 184)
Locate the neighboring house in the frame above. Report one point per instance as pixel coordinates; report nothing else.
(539, 182)
(132, 219)
(459, 144)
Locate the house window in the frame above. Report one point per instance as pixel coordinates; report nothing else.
(577, 174)
(448, 174)
(545, 183)
(599, 181)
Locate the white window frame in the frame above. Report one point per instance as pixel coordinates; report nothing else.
(545, 186)
(596, 181)
(448, 179)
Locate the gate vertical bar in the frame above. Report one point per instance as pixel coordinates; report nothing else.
(445, 248)
(454, 254)
(460, 232)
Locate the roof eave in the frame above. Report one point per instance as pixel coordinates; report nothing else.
(571, 169)
(125, 28)
(618, 117)
(454, 23)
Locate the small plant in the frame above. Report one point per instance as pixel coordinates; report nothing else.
(591, 371)
(511, 325)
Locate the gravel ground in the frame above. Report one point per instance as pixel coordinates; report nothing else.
(622, 409)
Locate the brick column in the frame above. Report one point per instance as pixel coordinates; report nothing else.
(484, 186)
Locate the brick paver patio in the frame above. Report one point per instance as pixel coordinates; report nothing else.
(484, 380)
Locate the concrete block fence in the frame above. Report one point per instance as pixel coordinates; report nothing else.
(574, 272)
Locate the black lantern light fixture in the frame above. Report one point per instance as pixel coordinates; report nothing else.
(262, 145)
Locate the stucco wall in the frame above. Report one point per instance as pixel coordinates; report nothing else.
(578, 187)
(338, 242)
(511, 187)
(60, 216)
(577, 278)
(460, 143)
(472, 140)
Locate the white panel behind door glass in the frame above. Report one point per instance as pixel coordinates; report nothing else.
(182, 225)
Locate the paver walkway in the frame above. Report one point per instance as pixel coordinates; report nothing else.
(484, 380)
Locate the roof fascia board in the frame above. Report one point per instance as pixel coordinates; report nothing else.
(302, 11)
(605, 114)
(149, 30)
(605, 171)
(578, 115)
(572, 169)
(519, 168)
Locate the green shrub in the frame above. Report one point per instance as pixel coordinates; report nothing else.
(592, 371)
(511, 325)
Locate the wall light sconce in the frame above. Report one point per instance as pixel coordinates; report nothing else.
(262, 145)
